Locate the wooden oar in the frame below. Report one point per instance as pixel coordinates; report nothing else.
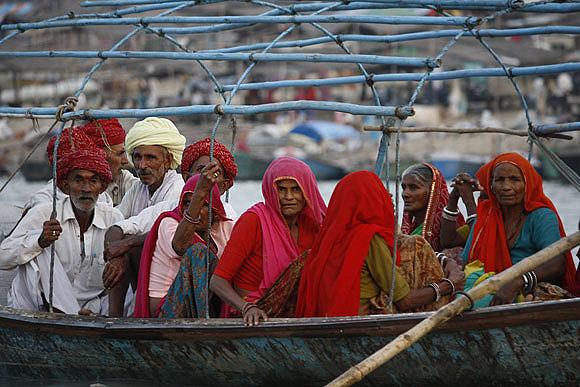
(357, 372)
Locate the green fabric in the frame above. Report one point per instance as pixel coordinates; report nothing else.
(418, 230)
(376, 273)
(540, 230)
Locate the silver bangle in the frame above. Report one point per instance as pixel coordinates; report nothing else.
(449, 212)
(471, 218)
(437, 290)
(450, 284)
(451, 218)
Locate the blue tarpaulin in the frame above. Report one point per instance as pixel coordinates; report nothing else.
(323, 130)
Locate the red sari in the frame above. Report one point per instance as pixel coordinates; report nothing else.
(489, 240)
(359, 208)
(438, 199)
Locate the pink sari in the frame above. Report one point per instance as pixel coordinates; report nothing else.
(279, 248)
(142, 293)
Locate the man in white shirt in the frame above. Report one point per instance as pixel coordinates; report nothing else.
(155, 147)
(109, 135)
(130, 233)
(77, 231)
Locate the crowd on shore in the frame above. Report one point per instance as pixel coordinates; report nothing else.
(164, 244)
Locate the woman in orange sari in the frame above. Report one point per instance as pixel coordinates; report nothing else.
(515, 221)
(349, 269)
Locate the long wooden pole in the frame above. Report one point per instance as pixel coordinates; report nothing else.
(405, 340)
(432, 129)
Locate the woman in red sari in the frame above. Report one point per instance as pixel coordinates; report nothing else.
(267, 239)
(348, 271)
(515, 221)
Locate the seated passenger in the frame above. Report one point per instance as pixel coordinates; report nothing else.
(77, 233)
(426, 196)
(266, 240)
(69, 141)
(516, 221)
(127, 236)
(109, 135)
(349, 269)
(172, 272)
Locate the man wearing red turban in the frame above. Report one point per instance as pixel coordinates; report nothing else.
(70, 140)
(109, 135)
(77, 233)
(127, 237)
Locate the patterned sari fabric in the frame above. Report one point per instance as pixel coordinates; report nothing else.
(420, 267)
(280, 299)
(279, 248)
(188, 295)
(489, 240)
(142, 293)
(431, 226)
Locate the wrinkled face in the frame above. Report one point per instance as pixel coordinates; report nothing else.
(223, 183)
(151, 163)
(291, 198)
(84, 188)
(117, 158)
(508, 185)
(415, 193)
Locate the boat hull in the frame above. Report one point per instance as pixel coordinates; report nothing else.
(535, 343)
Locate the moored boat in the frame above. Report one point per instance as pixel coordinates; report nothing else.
(533, 343)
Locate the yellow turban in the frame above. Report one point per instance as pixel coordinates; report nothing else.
(156, 131)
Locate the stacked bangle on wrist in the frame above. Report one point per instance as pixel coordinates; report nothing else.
(442, 258)
(190, 218)
(470, 219)
(449, 215)
(247, 306)
(450, 284)
(530, 282)
(437, 290)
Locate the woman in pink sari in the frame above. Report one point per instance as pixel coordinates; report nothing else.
(254, 275)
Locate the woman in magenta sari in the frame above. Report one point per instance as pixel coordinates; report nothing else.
(259, 270)
(173, 269)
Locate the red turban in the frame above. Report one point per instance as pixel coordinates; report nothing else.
(105, 133)
(65, 146)
(220, 152)
(91, 159)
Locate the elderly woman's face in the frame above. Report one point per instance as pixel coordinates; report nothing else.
(223, 183)
(291, 197)
(508, 185)
(415, 193)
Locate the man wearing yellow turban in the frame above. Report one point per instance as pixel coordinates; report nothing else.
(155, 147)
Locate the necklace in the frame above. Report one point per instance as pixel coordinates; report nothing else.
(513, 235)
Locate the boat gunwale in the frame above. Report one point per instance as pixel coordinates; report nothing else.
(224, 329)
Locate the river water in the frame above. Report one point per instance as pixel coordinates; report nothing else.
(245, 193)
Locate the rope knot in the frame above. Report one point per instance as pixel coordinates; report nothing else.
(219, 110)
(369, 80)
(432, 63)
(71, 15)
(472, 22)
(251, 58)
(516, 4)
(69, 105)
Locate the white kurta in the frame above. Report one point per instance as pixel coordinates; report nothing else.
(44, 195)
(78, 267)
(143, 222)
(117, 189)
(138, 197)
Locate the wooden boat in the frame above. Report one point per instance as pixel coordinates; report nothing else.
(527, 344)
